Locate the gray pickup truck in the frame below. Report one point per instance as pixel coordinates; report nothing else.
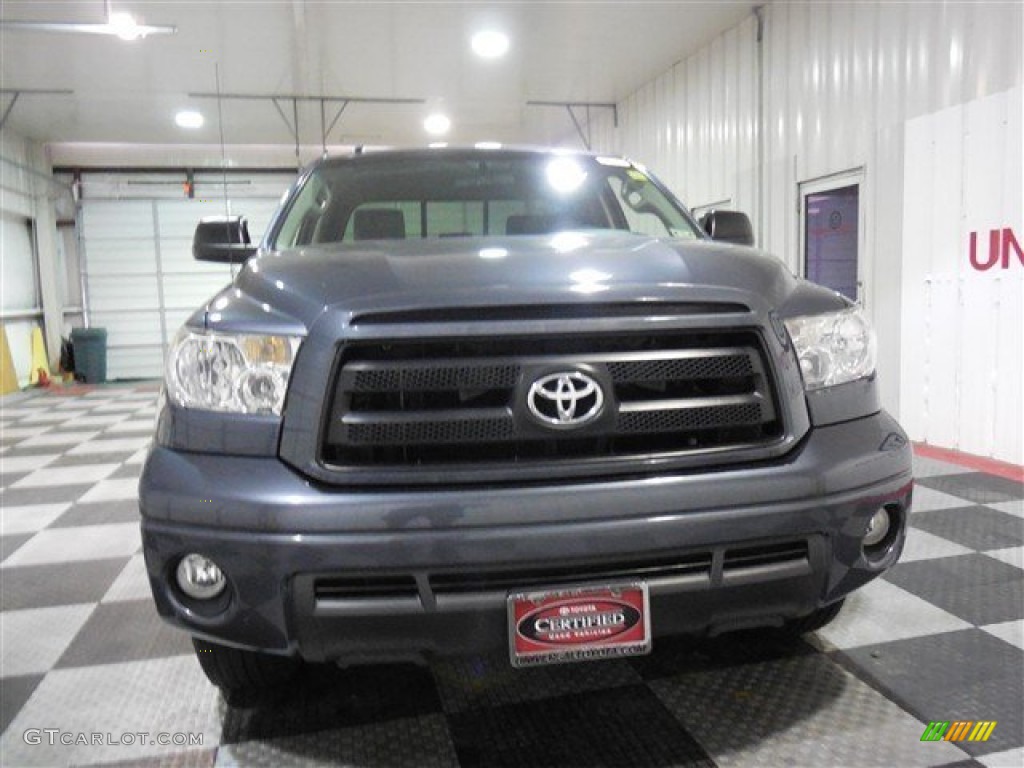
(460, 400)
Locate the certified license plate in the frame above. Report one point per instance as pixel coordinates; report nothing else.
(555, 626)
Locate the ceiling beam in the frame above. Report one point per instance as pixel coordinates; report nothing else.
(16, 93)
(571, 106)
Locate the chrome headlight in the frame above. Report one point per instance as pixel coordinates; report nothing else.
(833, 348)
(234, 373)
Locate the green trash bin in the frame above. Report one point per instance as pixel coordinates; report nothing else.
(90, 348)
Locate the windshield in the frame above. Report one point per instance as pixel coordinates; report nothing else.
(472, 194)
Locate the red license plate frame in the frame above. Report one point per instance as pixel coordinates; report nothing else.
(566, 624)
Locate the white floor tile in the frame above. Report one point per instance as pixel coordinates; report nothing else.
(1015, 508)
(30, 518)
(163, 695)
(116, 407)
(113, 445)
(80, 475)
(932, 467)
(85, 542)
(33, 640)
(131, 584)
(133, 425)
(23, 432)
(59, 438)
(1010, 555)
(26, 463)
(1011, 758)
(926, 499)
(47, 417)
(121, 489)
(922, 545)
(138, 457)
(76, 404)
(103, 421)
(882, 612)
(1010, 631)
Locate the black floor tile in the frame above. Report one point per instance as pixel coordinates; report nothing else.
(124, 631)
(98, 513)
(327, 697)
(976, 588)
(684, 655)
(14, 692)
(613, 727)
(10, 544)
(10, 478)
(491, 681)
(976, 486)
(81, 459)
(41, 586)
(965, 675)
(976, 527)
(127, 470)
(48, 494)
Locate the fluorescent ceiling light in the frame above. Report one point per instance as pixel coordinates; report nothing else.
(437, 144)
(490, 44)
(437, 124)
(124, 26)
(189, 118)
(487, 145)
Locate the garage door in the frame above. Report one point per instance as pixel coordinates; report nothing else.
(19, 303)
(141, 280)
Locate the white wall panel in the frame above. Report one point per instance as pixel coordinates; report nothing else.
(839, 82)
(963, 349)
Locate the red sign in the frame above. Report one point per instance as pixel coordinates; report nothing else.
(1001, 243)
(578, 624)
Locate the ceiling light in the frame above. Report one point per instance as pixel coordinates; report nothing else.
(124, 26)
(487, 145)
(437, 124)
(437, 144)
(490, 44)
(189, 118)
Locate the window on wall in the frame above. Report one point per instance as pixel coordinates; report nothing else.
(831, 236)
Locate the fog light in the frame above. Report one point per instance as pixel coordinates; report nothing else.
(878, 527)
(200, 577)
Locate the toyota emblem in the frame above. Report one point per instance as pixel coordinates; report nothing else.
(567, 399)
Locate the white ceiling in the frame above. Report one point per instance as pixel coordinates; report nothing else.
(130, 91)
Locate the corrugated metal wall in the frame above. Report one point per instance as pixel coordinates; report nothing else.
(834, 83)
(963, 318)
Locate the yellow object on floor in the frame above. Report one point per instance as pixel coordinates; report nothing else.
(40, 372)
(8, 376)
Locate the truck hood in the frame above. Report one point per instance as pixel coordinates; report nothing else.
(566, 268)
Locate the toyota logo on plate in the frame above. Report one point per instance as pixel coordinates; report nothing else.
(567, 399)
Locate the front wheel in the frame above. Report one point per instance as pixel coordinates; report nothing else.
(244, 676)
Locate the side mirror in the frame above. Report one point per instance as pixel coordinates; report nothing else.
(224, 239)
(728, 226)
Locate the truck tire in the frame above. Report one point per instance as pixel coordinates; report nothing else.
(244, 676)
(814, 621)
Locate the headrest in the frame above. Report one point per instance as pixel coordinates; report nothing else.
(379, 224)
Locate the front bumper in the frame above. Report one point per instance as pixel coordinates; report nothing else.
(277, 536)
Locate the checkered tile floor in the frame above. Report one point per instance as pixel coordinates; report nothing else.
(940, 637)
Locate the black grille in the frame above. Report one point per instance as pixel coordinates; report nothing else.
(431, 404)
(764, 559)
(486, 581)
